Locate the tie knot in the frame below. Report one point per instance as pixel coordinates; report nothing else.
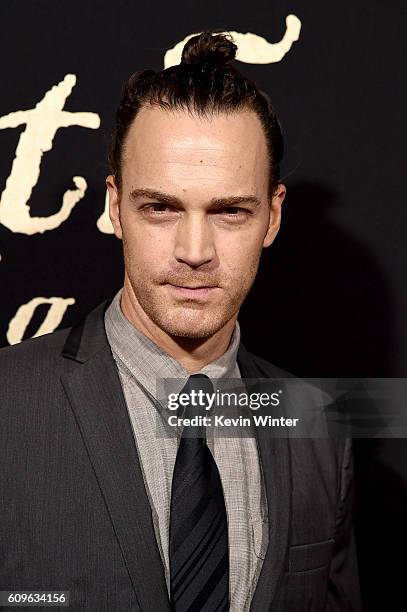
(199, 390)
(200, 382)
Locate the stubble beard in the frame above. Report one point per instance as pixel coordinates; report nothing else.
(187, 319)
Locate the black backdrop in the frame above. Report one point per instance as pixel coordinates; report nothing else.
(331, 296)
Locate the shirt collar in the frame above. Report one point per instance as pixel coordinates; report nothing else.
(147, 362)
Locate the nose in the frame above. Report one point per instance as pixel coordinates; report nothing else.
(194, 240)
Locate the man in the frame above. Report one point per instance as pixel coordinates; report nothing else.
(98, 499)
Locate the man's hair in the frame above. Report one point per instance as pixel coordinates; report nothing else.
(204, 83)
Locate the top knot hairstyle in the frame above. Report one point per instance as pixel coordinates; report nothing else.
(206, 47)
(204, 83)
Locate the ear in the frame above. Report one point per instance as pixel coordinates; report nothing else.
(114, 205)
(275, 215)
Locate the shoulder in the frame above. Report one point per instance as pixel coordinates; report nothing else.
(270, 369)
(254, 366)
(33, 356)
(308, 399)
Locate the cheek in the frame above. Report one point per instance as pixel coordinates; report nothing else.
(145, 248)
(240, 253)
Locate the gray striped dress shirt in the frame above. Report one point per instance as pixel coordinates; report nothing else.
(141, 363)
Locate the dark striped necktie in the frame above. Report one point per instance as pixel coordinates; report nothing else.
(199, 554)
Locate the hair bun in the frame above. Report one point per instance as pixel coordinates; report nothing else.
(208, 47)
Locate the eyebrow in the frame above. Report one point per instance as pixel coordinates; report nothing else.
(171, 200)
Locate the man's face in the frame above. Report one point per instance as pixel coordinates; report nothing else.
(185, 220)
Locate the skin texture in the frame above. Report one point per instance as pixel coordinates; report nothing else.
(194, 238)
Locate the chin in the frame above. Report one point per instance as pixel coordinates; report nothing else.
(190, 326)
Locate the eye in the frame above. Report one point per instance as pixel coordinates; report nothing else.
(157, 207)
(234, 212)
(234, 209)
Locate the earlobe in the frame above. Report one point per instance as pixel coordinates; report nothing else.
(271, 234)
(114, 206)
(275, 215)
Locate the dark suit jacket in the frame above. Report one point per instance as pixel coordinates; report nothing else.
(74, 513)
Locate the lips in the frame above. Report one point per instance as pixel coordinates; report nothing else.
(198, 291)
(191, 287)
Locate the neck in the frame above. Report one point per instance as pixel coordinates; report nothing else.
(192, 353)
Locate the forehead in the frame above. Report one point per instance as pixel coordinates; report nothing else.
(177, 145)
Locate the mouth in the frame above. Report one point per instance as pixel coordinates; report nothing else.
(192, 292)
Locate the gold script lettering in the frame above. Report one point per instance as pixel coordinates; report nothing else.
(252, 49)
(104, 224)
(42, 123)
(23, 316)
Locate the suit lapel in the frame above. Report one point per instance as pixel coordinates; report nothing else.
(275, 461)
(96, 397)
(95, 394)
